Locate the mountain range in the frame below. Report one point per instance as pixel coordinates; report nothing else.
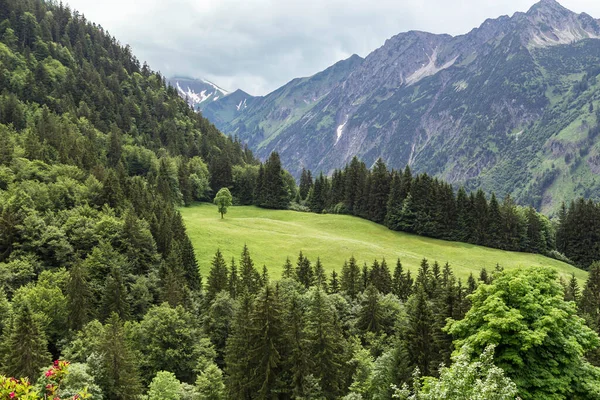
(510, 107)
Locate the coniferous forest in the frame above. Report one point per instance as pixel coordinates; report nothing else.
(101, 295)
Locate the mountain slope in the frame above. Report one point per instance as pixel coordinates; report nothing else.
(510, 106)
(197, 91)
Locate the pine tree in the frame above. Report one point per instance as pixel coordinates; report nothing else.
(218, 278)
(119, 377)
(25, 348)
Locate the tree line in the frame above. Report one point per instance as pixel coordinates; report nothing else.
(427, 206)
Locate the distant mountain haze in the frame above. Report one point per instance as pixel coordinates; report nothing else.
(510, 107)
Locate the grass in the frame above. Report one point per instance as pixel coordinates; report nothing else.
(272, 236)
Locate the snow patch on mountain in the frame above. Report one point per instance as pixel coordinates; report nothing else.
(241, 105)
(340, 129)
(430, 69)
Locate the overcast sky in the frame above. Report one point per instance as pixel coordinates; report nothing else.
(259, 45)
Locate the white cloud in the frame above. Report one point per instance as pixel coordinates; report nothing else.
(259, 45)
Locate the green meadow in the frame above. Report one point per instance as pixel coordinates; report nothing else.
(273, 235)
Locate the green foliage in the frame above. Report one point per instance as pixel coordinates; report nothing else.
(523, 313)
(164, 386)
(223, 201)
(477, 379)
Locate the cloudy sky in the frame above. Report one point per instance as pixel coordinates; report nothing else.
(259, 45)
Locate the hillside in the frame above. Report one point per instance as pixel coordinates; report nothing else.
(509, 107)
(272, 236)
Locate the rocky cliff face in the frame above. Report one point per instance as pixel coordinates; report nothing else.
(480, 109)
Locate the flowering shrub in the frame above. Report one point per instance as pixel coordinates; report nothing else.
(11, 388)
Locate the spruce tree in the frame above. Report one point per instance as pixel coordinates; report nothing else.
(394, 203)
(327, 345)
(288, 270)
(370, 314)
(25, 348)
(379, 192)
(266, 344)
(233, 285)
(297, 364)
(237, 357)
(306, 182)
(420, 333)
(572, 292)
(115, 296)
(119, 376)
(249, 276)
(334, 283)
(275, 193)
(320, 279)
(79, 297)
(218, 278)
(304, 271)
(351, 280)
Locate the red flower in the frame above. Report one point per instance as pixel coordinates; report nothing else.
(49, 386)
(56, 363)
(11, 394)
(49, 373)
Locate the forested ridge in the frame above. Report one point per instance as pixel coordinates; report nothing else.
(100, 291)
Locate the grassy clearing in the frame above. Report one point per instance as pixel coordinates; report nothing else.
(274, 235)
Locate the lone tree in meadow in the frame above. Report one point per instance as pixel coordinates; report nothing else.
(223, 200)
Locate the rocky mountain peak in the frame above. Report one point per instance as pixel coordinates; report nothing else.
(548, 7)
